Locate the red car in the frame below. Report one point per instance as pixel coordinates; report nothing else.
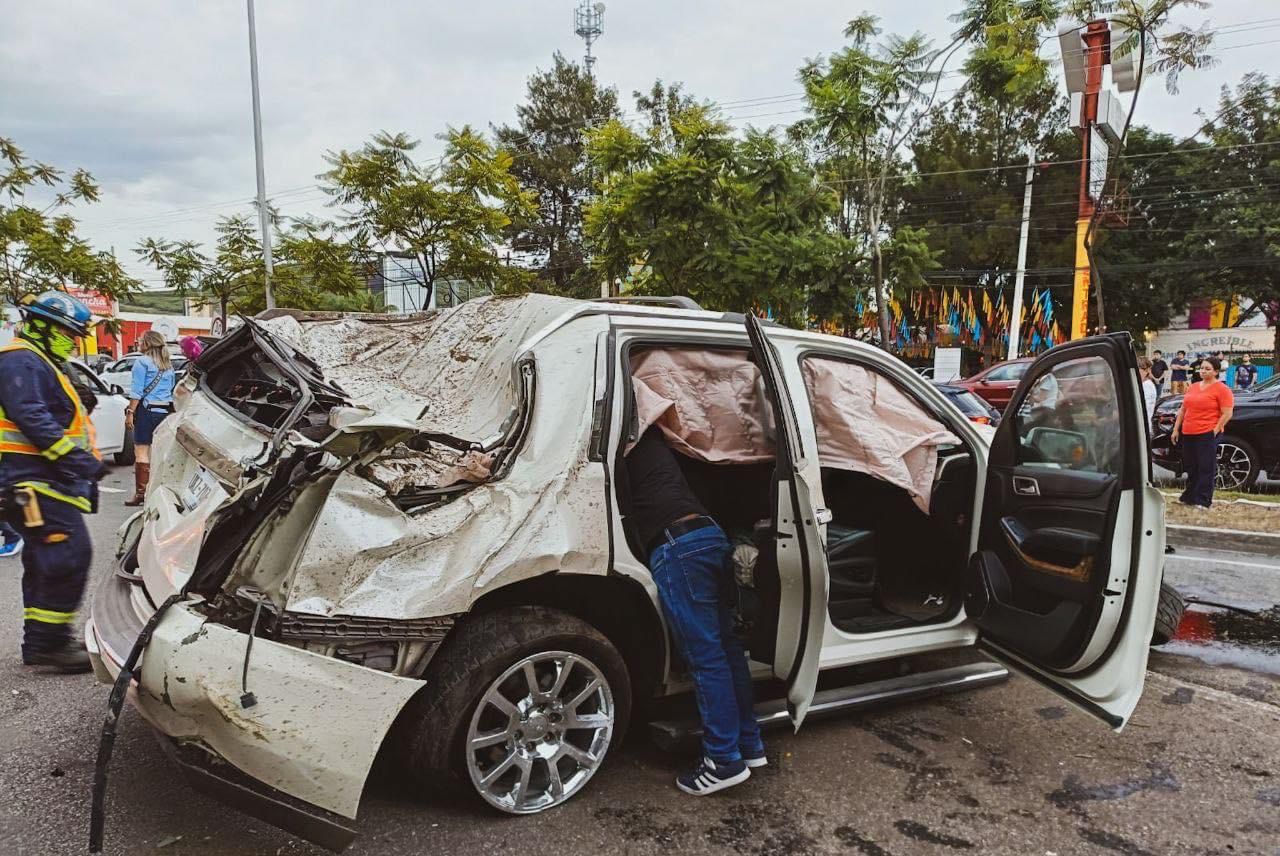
(996, 384)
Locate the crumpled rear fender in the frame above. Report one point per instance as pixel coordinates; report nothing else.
(318, 722)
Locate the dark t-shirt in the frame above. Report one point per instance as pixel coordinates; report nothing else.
(1179, 370)
(1158, 370)
(659, 492)
(1246, 374)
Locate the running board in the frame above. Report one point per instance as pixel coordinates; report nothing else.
(670, 734)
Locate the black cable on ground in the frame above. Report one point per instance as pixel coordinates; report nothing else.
(97, 812)
(1252, 613)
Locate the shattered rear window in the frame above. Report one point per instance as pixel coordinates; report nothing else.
(264, 380)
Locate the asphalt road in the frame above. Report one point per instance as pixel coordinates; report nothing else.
(1008, 769)
(1239, 579)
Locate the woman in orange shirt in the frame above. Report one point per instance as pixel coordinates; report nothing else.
(1205, 412)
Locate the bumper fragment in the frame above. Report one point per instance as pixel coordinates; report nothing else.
(318, 723)
(232, 788)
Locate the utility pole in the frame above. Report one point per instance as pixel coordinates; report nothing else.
(588, 24)
(264, 218)
(1086, 48)
(1015, 318)
(1096, 37)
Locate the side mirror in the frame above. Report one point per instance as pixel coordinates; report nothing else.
(116, 389)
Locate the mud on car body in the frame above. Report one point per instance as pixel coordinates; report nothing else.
(408, 533)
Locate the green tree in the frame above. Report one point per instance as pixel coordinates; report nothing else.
(548, 149)
(314, 267)
(735, 224)
(1008, 60)
(450, 214)
(1225, 211)
(39, 246)
(866, 103)
(967, 193)
(1141, 259)
(659, 106)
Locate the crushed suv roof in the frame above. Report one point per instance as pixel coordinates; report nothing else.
(448, 371)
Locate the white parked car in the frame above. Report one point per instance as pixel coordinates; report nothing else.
(120, 373)
(421, 520)
(108, 414)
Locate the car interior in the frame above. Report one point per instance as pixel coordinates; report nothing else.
(895, 558)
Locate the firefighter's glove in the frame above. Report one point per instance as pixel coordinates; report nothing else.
(79, 465)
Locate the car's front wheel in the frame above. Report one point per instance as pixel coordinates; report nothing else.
(125, 457)
(521, 705)
(1238, 464)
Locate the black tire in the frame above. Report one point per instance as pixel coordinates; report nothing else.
(1168, 614)
(430, 735)
(125, 456)
(1226, 447)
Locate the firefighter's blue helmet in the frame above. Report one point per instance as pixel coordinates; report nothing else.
(60, 308)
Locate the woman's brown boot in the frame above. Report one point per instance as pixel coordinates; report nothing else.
(141, 474)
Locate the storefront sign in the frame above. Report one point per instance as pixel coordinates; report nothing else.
(1232, 340)
(946, 364)
(98, 303)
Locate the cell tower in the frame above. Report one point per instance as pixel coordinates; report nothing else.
(588, 24)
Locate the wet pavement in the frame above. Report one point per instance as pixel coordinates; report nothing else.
(1237, 621)
(1006, 770)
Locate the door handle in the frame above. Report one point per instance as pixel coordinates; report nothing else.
(1026, 486)
(823, 516)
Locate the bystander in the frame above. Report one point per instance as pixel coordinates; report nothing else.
(1149, 390)
(1178, 373)
(1206, 409)
(1159, 372)
(1246, 373)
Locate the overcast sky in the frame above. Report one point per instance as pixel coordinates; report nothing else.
(153, 97)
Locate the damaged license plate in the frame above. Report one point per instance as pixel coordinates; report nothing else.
(198, 487)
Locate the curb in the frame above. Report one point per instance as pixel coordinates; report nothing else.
(1234, 540)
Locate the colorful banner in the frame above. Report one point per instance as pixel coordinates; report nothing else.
(929, 317)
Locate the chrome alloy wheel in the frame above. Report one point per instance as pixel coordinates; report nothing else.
(1234, 467)
(540, 732)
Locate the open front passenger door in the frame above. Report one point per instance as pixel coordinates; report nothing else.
(797, 549)
(1065, 582)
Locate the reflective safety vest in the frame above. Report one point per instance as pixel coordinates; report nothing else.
(79, 434)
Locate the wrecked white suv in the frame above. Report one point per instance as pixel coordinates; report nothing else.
(410, 532)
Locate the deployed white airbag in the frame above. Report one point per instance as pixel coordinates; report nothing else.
(710, 405)
(867, 424)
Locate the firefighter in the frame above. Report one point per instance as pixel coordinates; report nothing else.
(49, 472)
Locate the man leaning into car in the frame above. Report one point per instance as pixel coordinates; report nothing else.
(689, 558)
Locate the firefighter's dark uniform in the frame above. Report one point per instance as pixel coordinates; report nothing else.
(47, 446)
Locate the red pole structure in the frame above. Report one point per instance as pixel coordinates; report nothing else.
(1096, 39)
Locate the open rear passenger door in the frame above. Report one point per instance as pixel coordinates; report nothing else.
(1065, 582)
(798, 547)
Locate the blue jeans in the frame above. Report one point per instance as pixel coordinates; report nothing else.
(693, 574)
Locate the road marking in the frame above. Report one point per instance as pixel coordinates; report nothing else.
(1206, 561)
(111, 489)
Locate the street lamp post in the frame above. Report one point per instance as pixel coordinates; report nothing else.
(264, 218)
